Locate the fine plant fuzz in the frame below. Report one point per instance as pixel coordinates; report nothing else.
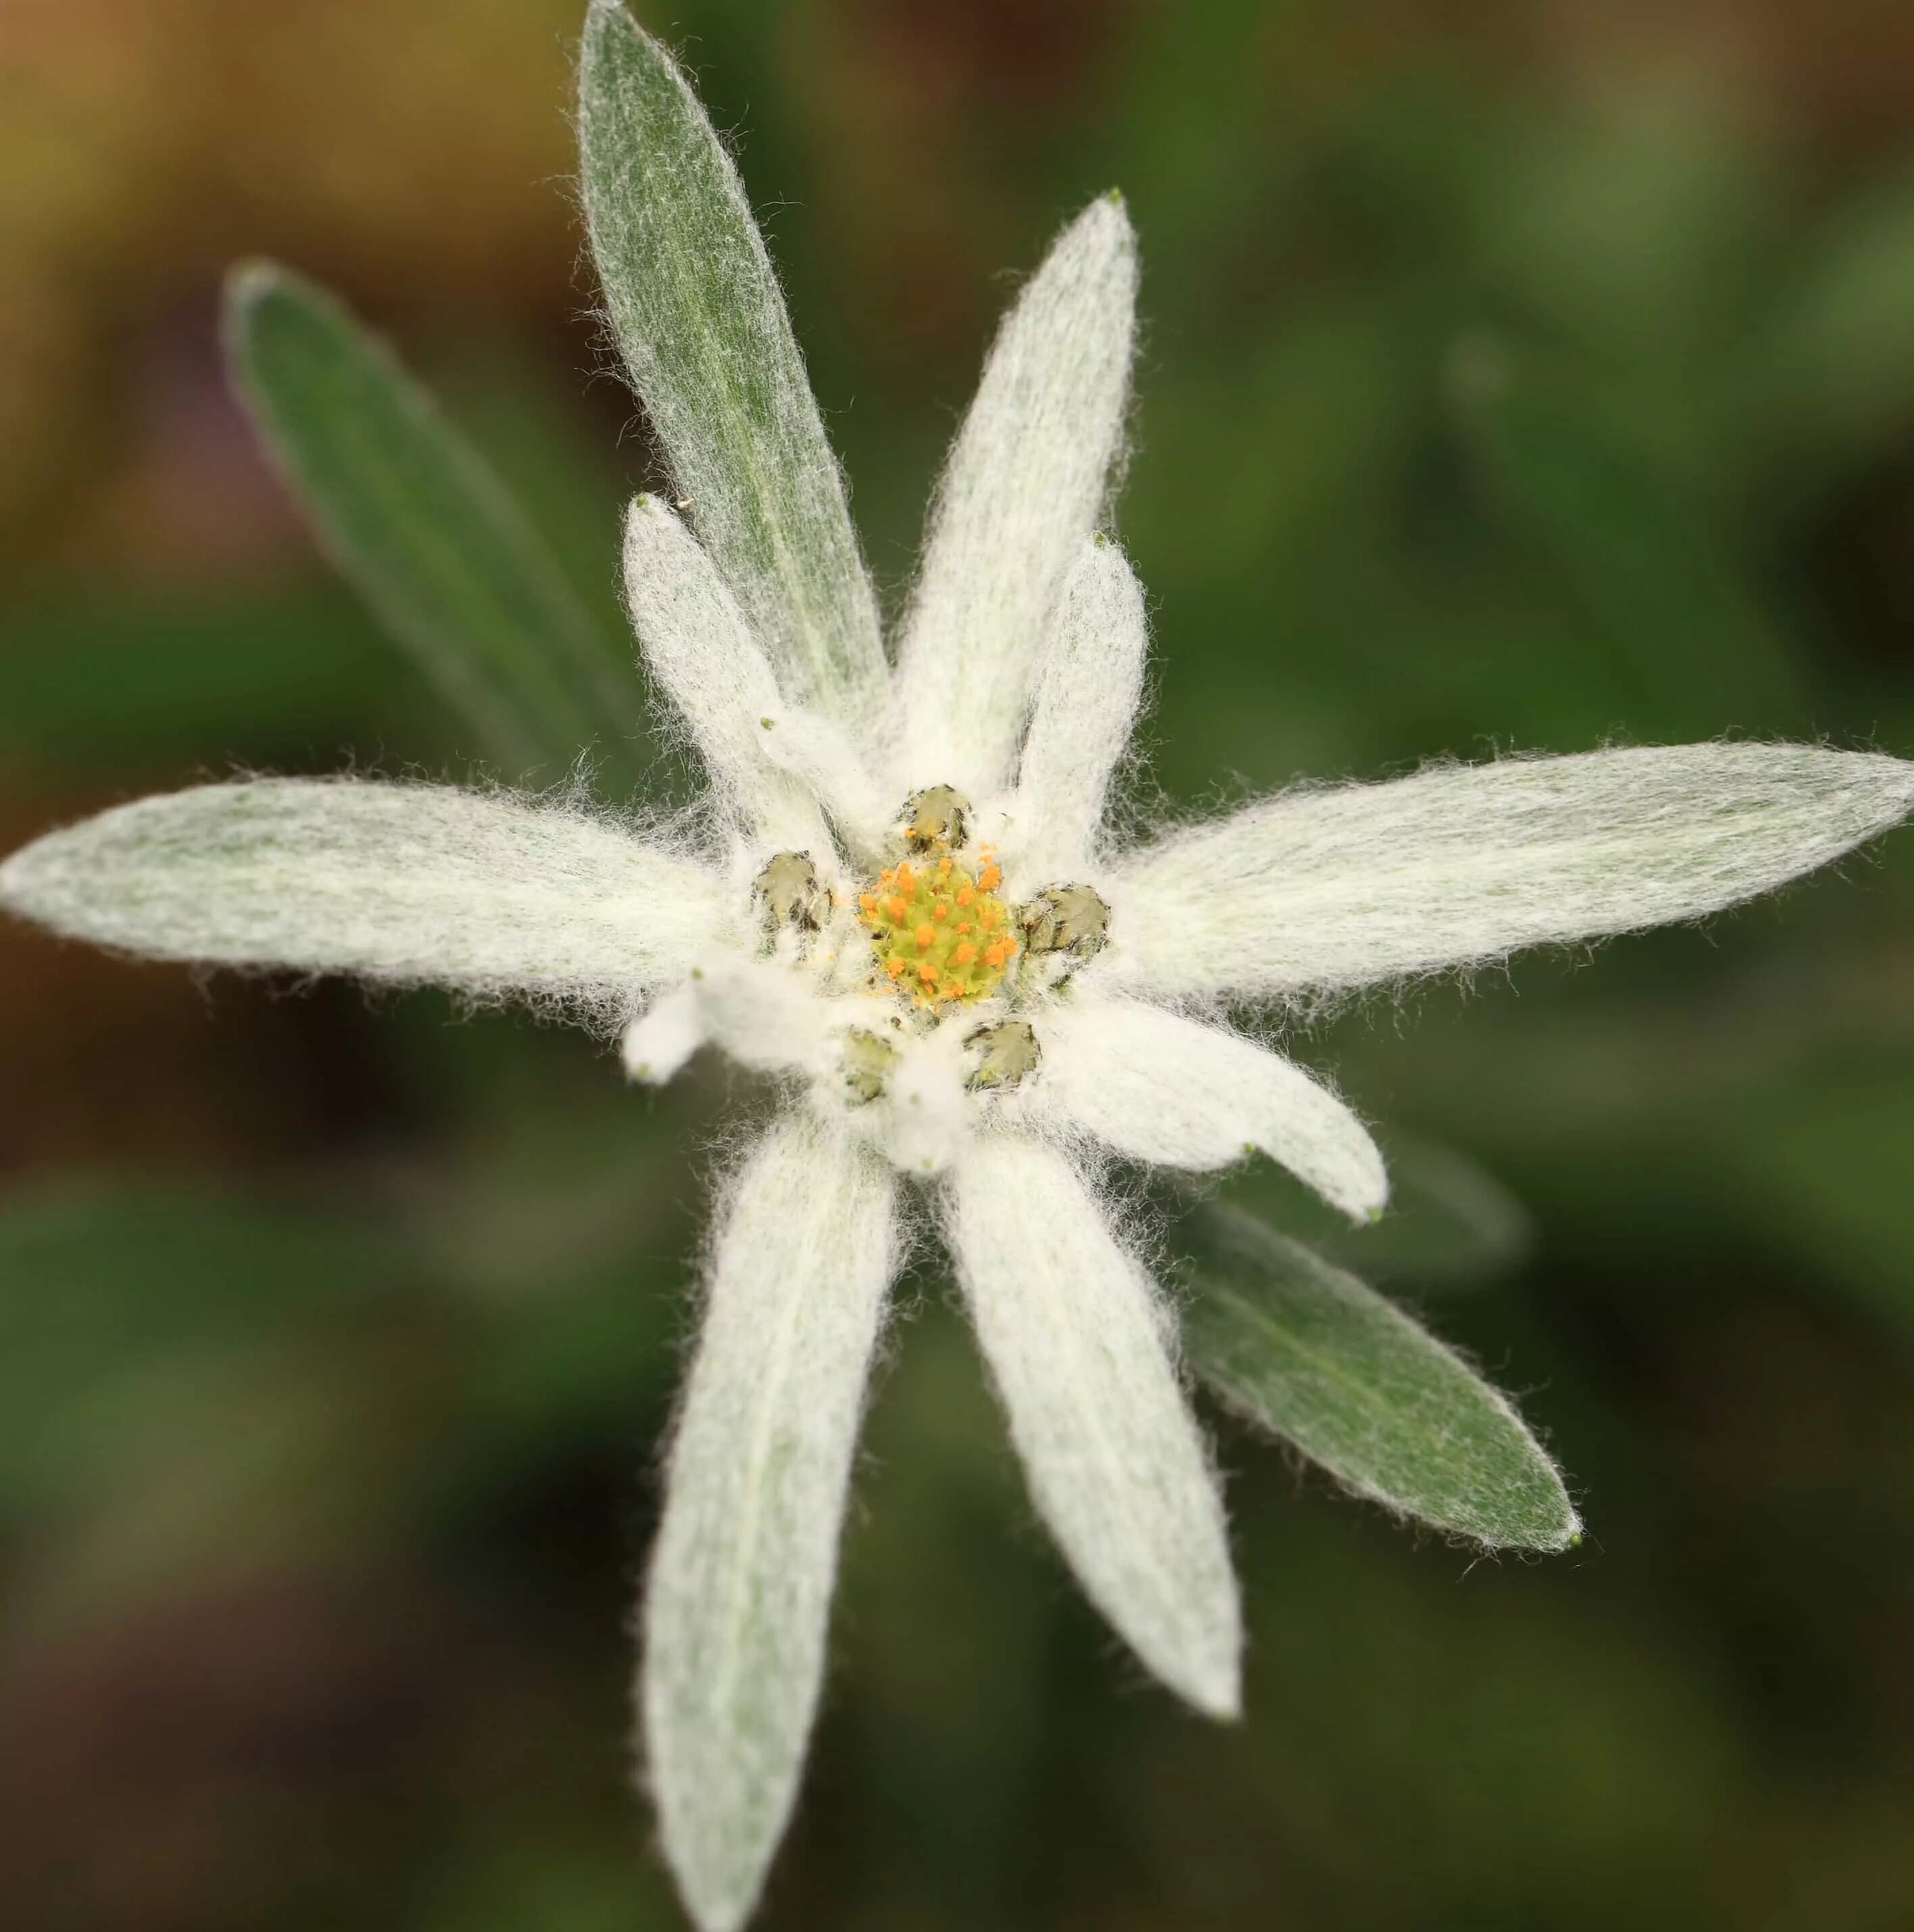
(903, 899)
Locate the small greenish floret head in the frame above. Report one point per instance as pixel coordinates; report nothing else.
(1001, 1054)
(936, 819)
(1071, 919)
(788, 891)
(868, 1059)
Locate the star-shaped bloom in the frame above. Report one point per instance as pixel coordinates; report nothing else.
(905, 901)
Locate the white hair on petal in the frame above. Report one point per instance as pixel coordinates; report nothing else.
(1327, 890)
(695, 642)
(655, 1046)
(1028, 475)
(494, 895)
(926, 1116)
(1076, 1339)
(1089, 685)
(1177, 1093)
(737, 1602)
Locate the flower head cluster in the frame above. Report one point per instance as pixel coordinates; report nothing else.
(903, 902)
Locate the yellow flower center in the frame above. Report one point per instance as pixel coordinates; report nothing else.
(938, 934)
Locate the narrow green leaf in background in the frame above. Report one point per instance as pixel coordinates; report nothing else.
(1309, 1351)
(1826, 380)
(1449, 1223)
(427, 533)
(1689, 641)
(701, 323)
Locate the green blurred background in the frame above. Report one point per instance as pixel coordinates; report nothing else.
(1514, 376)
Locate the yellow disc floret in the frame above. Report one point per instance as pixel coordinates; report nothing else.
(938, 934)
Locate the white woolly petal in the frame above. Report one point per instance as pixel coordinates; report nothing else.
(1457, 866)
(760, 1012)
(1076, 1342)
(926, 1116)
(489, 893)
(739, 1597)
(1160, 1088)
(821, 757)
(1019, 497)
(767, 1016)
(657, 1045)
(1088, 686)
(698, 645)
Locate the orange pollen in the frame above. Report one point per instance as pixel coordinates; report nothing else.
(929, 920)
(991, 877)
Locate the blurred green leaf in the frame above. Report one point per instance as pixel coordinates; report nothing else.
(429, 536)
(1828, 376)
(1449, 1223)
(1307, 1351)
(1689, 647)
(524, 419)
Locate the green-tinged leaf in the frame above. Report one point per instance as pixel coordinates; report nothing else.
(1828, 378)
(1449, 1223)
(431, 538)
(1309, 1351)
(701, 321)
(1688, 645)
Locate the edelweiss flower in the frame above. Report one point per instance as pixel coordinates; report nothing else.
(904, 900)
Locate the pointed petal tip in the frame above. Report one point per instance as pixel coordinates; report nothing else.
(1572, 1532)
(16, 892)
(1362, 1193)
(607, 20)
(1106, 223)
(1203, 1661)
(1366, 1207)
(643, 508)
(1218, 1694)
(249, 280)
(711, 1909)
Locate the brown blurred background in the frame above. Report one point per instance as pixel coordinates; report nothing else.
(1513, 375)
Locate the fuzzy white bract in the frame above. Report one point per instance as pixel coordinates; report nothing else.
(903, 901)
